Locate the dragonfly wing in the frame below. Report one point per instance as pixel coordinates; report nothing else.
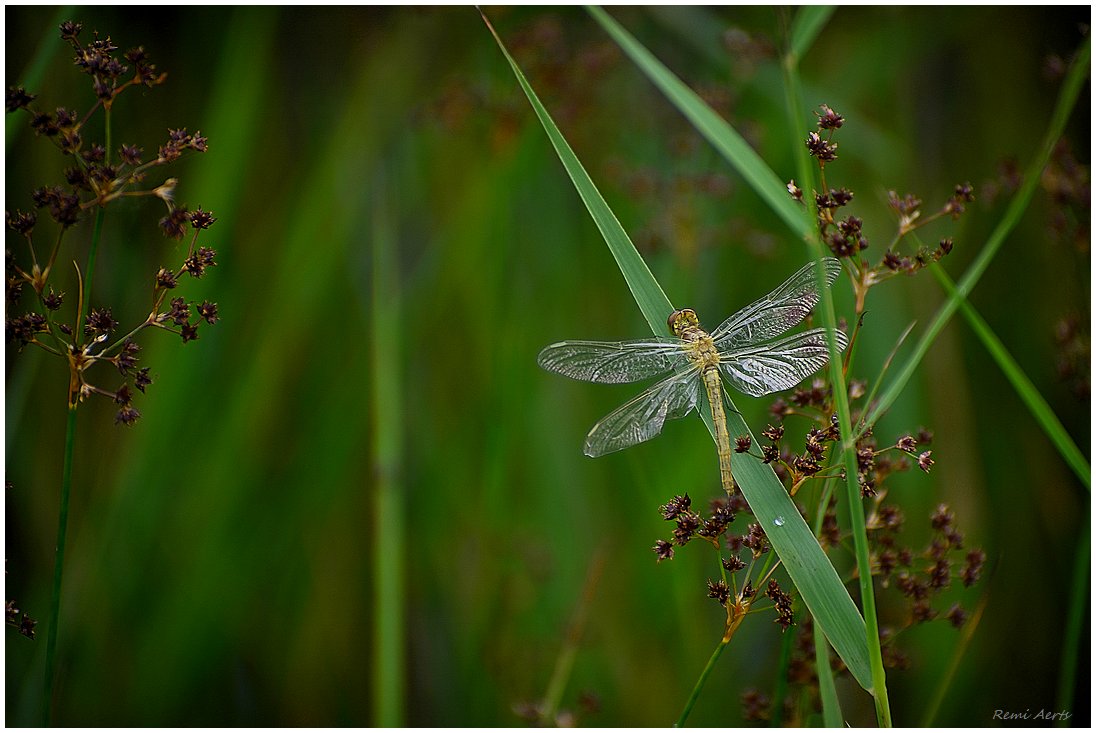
(778, 311)
(612, 362)
(761, 370)
(642, 418)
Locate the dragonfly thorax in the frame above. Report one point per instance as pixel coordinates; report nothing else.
(701, 348)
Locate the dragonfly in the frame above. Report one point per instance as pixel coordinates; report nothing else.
(744, 350)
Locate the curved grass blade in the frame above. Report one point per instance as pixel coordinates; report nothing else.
(714, 128)
(1025, 390)
(31, 77)
(1071, 90)
(645, 289)
(807, 565)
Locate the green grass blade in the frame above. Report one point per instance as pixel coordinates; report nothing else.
(827, 690)
(714, 128)
(1071, 90)
(1076, 618)
(807, 24)
(804, 560)
(1025, 390)
(645, 289)
(807, 565)
(389, 534)
(946, 678)
(780, 684)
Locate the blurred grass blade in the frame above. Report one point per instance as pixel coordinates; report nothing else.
(388, 536)
(807, 565)
(946, 679)
(714, 128)
(1071, 90)
(48, 47)
(645, 289)
(1076, 617)
(1025, 390)
(808, 23)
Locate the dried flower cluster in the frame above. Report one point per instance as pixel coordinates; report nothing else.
(20, 620)
(736, 596)
(97, 177)
(844, 236)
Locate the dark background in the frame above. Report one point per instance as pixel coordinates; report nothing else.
(221, 552)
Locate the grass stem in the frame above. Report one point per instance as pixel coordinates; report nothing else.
(66, 483)
(58, 567)
(700, 682)
(793, 92)
(390, 527)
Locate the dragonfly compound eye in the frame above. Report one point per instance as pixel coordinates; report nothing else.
(682, 319)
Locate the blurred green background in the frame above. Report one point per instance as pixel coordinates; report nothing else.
(222, 553)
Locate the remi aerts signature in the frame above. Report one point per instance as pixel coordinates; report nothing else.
(1044, 715)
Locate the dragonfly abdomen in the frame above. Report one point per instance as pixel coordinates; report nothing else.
(713, 384)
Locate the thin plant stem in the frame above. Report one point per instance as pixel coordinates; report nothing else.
(66, 484)
(780, 685)
(59, 565)
(700, 682)
(553, 695)
(827, 690)
(89, 273)
(389, 632)
(848, 442)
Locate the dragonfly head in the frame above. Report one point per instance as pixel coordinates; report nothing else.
(682, 320)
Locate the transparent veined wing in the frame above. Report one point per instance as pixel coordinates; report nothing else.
(778, 311)
(642, 418)
(613, 362)
(761, 370)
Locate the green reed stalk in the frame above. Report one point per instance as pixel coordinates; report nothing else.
(66, 482)
(389, 535)
(793, 93)
(59, 564)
